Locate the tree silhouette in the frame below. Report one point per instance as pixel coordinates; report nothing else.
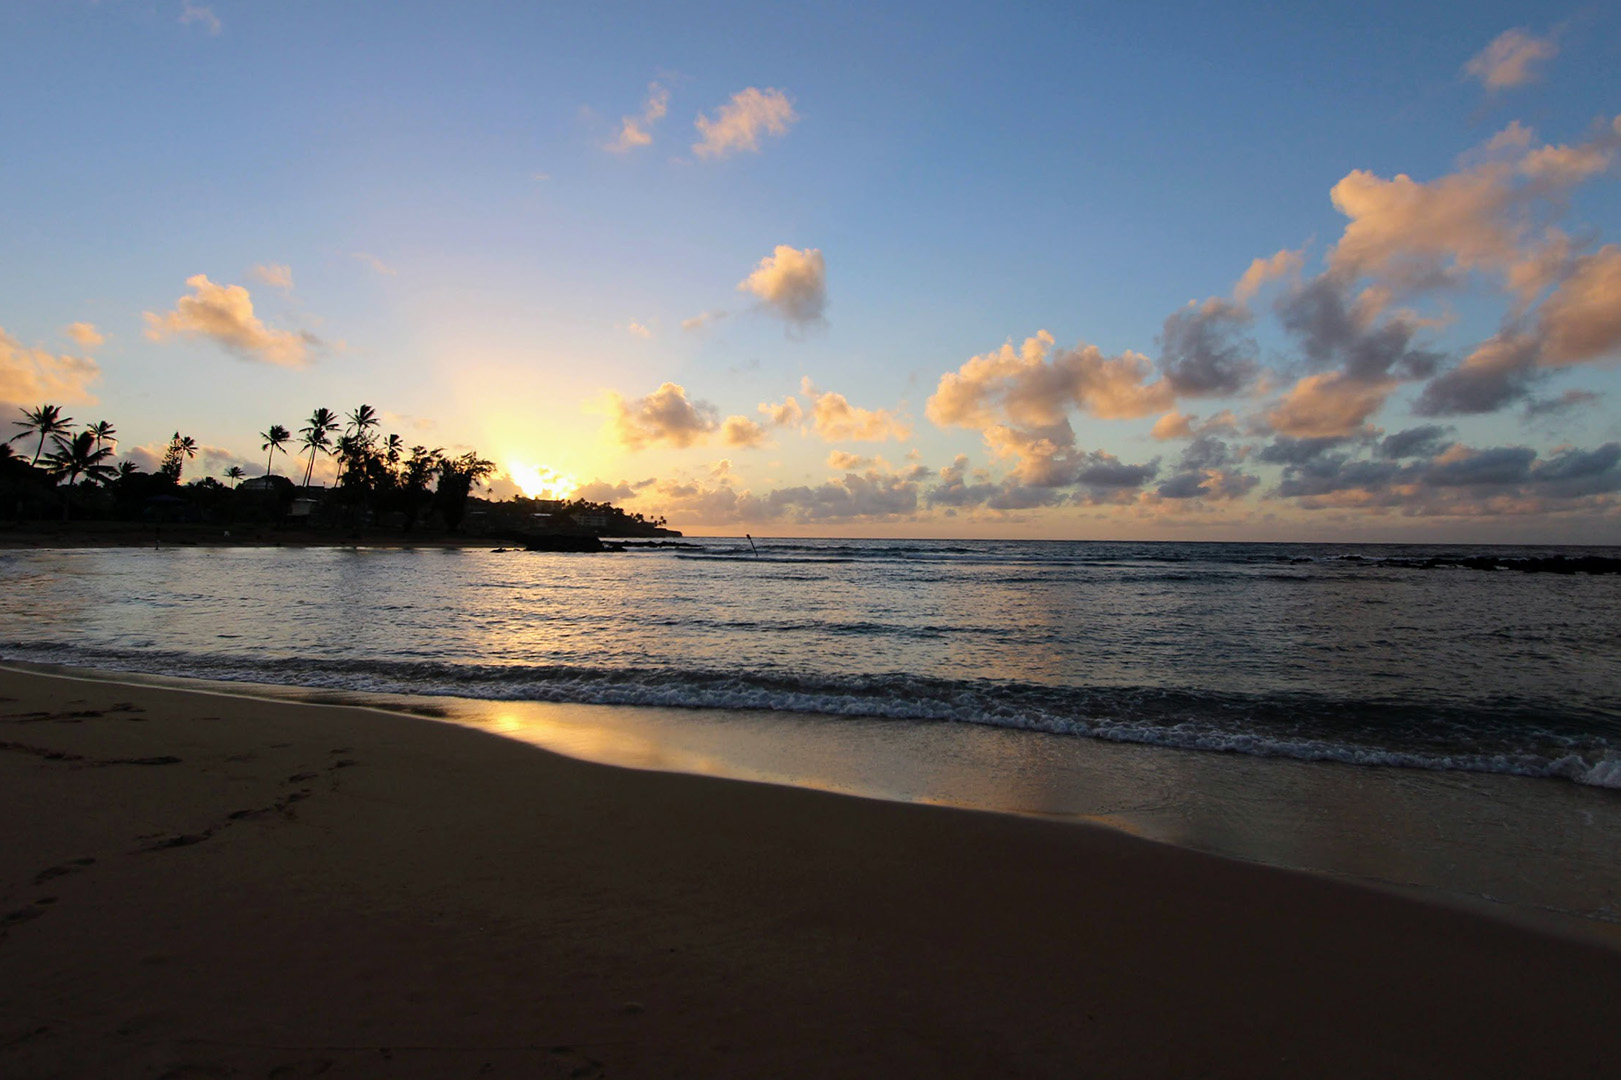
(456, 478)
(47, 420)
(75, 457)
(181, 449)
(361, 423)
(273, 440)
(236, 474)
(104, 432)
(317, 438)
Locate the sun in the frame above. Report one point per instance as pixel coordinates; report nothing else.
(540, 482)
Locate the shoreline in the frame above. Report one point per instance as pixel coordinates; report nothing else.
(235, 883)
(1516, 849)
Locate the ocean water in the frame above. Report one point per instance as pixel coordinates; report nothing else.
(1376, 713)
(1360, 654)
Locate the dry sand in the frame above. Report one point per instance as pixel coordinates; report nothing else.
(197, 885)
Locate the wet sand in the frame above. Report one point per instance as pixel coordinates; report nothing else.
(201, 885)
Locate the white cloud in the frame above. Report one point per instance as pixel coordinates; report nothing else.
(224, 314)
(639, 330)
(740, 122)
(792, 284)
(634, 130)
(1510, 59)
(202, 16)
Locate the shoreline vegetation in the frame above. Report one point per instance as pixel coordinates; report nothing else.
(214, 885)
(384, 492)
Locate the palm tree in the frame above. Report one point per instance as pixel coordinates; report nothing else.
(393, 450)
(181, 449)
(76, 456)
(316, 438)
(104, 433)
(361, 423)
(272, 442)
(47, 420)
(235, 474)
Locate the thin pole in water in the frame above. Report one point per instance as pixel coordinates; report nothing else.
(750, 539)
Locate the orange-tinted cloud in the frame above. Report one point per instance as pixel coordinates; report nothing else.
(635, 131)
(1511, 59)
(665, 417)
(224, 314)
(1332, 403)
(85, 334)
(739, 123)
(836, 420)
(791, 284)
(32, 376)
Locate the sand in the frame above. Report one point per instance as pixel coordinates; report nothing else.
(196, 885)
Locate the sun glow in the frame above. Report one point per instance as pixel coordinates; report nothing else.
(540, 482)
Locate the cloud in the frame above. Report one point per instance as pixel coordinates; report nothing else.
(1459, 481)
(740, 122)
(1490, 216)
(1510, 59)
(639, 330)
(84, 334)
(703, 319)
(1500, 371)
(1426, 441)
(873, 495)
(791, 284)
(1283, 264)
(1176, 425)
(836, 420)
(224, 314)
(374, 262)
(215, 460)
(275, 275)
(202, 16)
(741, 431)
(1581, 320)
(1330, 404)
(846, 462)
(1569, 401)
(786, 414)
(664, 417)
(1202, 351)
(31, 376)
(1034, 386)
(603, 492)
(634, 130)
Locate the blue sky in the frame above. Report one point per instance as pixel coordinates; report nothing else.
(435, 210)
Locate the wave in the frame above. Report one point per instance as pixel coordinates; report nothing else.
(1509, 736)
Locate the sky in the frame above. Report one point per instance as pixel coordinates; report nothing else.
(1121, 271)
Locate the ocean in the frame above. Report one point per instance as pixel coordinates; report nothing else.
(1046, 677)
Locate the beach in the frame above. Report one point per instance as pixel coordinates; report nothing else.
(207, 885)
